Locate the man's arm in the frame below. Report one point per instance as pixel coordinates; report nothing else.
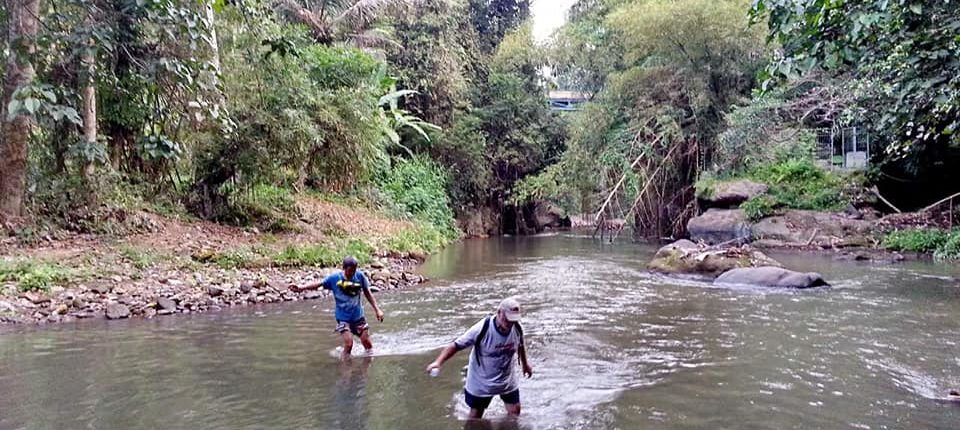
(527, 370)
(311, 285)
(445, 355)
(373, 302)
(306, 287)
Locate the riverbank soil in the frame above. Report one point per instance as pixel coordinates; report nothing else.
(182, 266)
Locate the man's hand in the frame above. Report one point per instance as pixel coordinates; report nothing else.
(294, 287)
(431, 366)
(527, 370)
(379, 315)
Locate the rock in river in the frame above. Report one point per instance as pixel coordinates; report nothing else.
(117, 311)
(771, 277)
(731, 194)
(720, 225)
(686, 257)
(166, 303)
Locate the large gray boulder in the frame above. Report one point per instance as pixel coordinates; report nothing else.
(479, 222)
(550, 216)
(720, 226)
(801, 228)
(731, 194)
(686, 257)
(769, 276)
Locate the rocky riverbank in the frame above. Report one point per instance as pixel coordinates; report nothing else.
(185, 266)
(156, 293)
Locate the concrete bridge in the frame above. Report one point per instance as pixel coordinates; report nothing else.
(566, 100)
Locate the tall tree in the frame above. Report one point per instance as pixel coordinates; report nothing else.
(352, 21)
(23, 23)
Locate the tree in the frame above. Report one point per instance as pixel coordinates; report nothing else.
(23, 23)
(350, 21)
(903, 54)
(670, 70)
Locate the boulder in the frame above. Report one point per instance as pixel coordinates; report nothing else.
(720, 226)
(731, 194)
(686, 257)
(769, 276)
(813, 228)
(214, 291)
(547, 215)
(117, 311)
(479, 222)
(166, 303)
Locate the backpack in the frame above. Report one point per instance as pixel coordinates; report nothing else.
(483, 333)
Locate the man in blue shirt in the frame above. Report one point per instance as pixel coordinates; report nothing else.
(346, 287)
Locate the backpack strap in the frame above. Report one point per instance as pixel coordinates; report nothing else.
(479, 340)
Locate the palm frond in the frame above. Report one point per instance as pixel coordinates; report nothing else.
(362, 13)
(373, 39)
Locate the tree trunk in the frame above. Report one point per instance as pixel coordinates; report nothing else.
(214, 43)
(14, 135)
(89, 93)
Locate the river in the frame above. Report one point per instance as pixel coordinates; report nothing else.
(612, 346)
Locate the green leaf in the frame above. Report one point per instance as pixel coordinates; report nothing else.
(916, 8)
(31, 105)
(13, 109)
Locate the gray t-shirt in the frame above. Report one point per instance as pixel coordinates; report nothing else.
(496, 372)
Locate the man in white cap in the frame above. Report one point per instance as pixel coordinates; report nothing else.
(497, 342)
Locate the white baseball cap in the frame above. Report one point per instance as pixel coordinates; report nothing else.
(511, 309)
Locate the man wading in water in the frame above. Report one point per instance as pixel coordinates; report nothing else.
(346, 287)
(497, 341)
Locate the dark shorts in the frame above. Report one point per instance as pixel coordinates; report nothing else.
(356, 327)
(477, 402)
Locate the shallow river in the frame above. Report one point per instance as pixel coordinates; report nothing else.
(611, 345)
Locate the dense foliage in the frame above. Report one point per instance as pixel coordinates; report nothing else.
(230, 108)
(662, 74)
(898, 58)
(943, 244)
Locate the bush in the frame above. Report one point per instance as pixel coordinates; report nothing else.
(799, 184)
(266, 207)
(34, 276)
(943, 244)
(950, 250)
(915, 240)
(419, 186)
(760, 207)
(705, 187)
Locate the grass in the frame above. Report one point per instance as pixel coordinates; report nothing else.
(943, 244)
(141, 258)
(34, 275)
(423, 238)
(324, 254)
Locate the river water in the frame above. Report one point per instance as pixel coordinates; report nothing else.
(611, 345)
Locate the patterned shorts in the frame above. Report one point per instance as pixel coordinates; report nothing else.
(356, 327)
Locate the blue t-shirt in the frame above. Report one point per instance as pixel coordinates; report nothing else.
(347, 293)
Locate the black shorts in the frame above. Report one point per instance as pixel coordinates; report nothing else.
(477, 402)
(356, 327)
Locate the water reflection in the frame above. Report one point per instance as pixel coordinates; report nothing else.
(349, 393)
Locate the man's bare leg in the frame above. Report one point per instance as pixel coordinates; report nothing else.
(475, 414)
(365, 341)
(513, 411)
(347, 344)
